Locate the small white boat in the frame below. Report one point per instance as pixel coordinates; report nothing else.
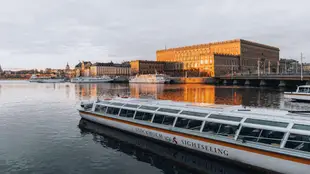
(52, 80)
(274, 140)
(37, 79)
(150, 78)
(302, 93)
(103, 79)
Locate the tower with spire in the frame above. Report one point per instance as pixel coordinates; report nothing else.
(67, 67)
(1, 71)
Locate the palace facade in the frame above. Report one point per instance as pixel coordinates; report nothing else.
(151, 67)
(225, 57)
(110, 69)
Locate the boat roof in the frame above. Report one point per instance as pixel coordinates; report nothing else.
(204, 109)
(305, 86)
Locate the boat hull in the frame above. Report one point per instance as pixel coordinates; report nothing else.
(52, 81)
(297, 97)
(92, 81)
(254, 157)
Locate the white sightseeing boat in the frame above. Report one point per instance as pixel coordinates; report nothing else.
(159, 152)
(103, 79)
(302, 93)
(150, 78)
(37, 79)
(275, 140)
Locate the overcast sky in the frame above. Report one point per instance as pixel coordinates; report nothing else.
(50, 33)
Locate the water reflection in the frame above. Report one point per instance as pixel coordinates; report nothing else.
(88, 91)
(167, 158)
(187, 92)
(231, 95)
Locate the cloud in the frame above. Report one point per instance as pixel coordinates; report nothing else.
(49, 33)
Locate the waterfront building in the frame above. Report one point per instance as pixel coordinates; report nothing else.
(150, 67)
(240, 55)
(289, 66)
(110, 69)
(82, 69)
(69, 73)
(306, 67)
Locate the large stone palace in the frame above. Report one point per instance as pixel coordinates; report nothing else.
(225, 57)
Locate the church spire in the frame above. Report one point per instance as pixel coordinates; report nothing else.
(67, 67)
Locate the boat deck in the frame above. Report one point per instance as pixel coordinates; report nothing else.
(231, 110)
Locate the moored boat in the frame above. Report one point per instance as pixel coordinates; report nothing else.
(52, 80)
(103, 79)
(157, 153)
(302, 93)
(275, 140)
(150, 78)
(37, 79)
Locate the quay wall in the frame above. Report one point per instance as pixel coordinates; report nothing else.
(193, 80)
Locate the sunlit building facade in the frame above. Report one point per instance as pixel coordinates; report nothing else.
(110, 69)
(237, 55)
(150, 67)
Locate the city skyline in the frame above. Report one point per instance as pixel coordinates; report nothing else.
(37, 34)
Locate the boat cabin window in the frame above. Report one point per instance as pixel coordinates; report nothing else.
(144, 116)
(220, 129)
(224, 117)
(261, 135)
(197, 114)
(117, 104)
(188, 123)
(266, 122)
(113, 111)
(303, 90)
(163, 119)
(100, 108)
(105, 102)
(301, 127)
(127, 113)
(131, 106)
(298, 142)
(151, 108)
(174, 111)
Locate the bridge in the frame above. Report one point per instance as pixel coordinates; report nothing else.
(264, 79)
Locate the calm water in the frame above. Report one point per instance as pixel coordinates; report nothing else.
(41, 131)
